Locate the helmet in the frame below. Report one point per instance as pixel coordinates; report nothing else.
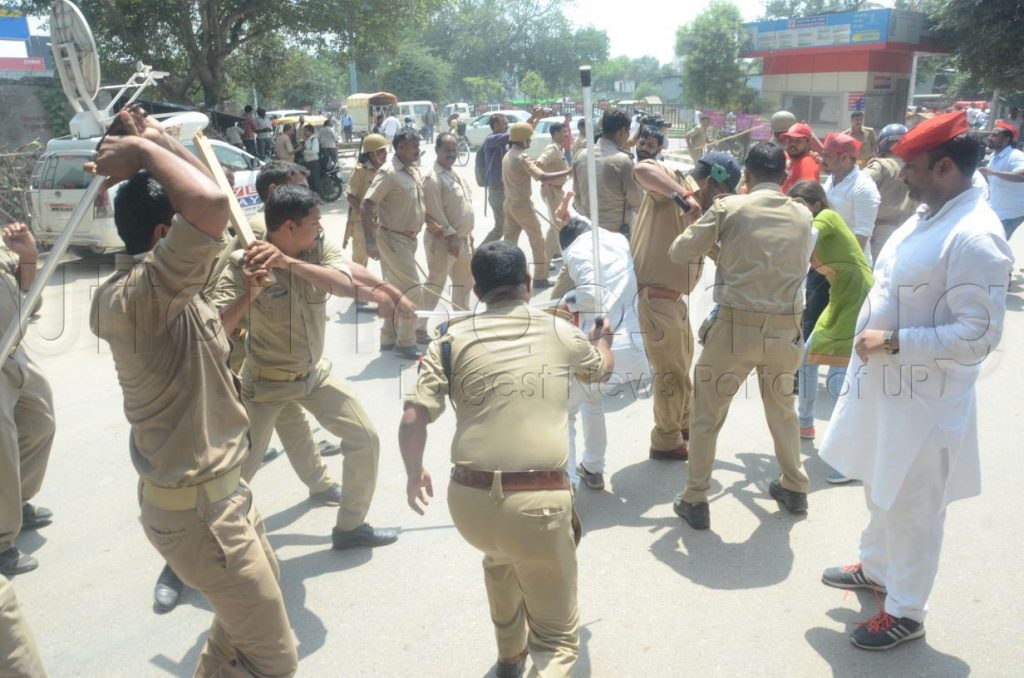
(782, 121)
(889, 135)
(408, 118)
(374, 142)
(520, 131)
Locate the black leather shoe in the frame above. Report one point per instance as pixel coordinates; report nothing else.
(167, 591)
(271, 454)
(13, 561)
(328, 449)
(795, 502)
(34, 517)
(698, 515)
(364, 535)
(510, 670)
(329, 497)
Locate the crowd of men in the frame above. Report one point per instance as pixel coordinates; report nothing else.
(202, 412)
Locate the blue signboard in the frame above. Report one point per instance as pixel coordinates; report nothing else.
(13, 24)
(826, 30)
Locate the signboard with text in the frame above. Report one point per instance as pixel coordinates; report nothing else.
(827, 30)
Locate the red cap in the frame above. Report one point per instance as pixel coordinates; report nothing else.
(928, 134)
(802, 130)
(1009, 127)
(837, 142)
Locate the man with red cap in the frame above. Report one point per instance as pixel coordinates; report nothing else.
(906, 425)
(852, 193)
(1005, 174)
(799, 141)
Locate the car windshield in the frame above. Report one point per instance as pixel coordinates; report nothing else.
(66, 173)
(420, 109)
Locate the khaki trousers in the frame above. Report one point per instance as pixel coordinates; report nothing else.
(221, 550)
(736, 343)
(552, 196)
(398, 263)
(529, 571)
(19, 656)
(668, 341)
(334, 404)
(26, 436)
(441, 265)
(519, 217)
(293, 430)
(354, 230)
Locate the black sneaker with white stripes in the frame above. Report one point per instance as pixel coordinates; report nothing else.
(850, 577)
(884, 631)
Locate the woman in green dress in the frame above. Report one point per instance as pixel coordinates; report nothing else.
(839, 257)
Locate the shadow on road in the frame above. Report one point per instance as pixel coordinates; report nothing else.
(915, 658)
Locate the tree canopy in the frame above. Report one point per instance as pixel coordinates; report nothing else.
(195, 40)
(995, 58)
(713, 74)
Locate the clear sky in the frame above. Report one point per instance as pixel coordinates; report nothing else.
(648, 27)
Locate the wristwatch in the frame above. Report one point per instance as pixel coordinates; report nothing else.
(891, 342)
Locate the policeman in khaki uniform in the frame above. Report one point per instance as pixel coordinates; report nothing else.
(189, 430)
(449, 215)
(509, 493)
(662, 283)
(372, 157)
(393, 211)
(765, 244)
(26, 408)
(517, 170)
(284, 361)
(19, 655)
(552, 160)
(618, 196)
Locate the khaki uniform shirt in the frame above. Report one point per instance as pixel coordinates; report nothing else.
(285, 325)
(517, 171)
(10, 291)
(510, 365)
(896, 205)
(449, 201)
(358, 185)
(553, 160)
(658, 224)
(696, 140)
(618, 196)
(578, 144)
(397, 191)
(868, 143)
(283, 148)
(765, 248)
(171, 355)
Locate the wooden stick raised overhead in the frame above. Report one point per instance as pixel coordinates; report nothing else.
(239, 222)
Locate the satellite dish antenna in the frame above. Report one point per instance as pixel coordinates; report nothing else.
(78, 65)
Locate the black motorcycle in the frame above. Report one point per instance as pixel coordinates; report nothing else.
(333, 181)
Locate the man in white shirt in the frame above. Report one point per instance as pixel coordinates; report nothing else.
(389, 128)
(906, 424)
(234, 136)
(575, 286)
(311, 158)
(852, 193)
(264, 134)
(1005, 174)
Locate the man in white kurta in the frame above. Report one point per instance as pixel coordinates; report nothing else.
(907, 423)
(852, 192)
(576, 286)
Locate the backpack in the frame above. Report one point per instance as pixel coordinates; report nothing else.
(480, 168)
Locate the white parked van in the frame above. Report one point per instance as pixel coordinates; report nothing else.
(59, 182)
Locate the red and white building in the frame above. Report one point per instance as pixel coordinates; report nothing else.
(822, 68)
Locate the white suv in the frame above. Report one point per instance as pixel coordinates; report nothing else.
(59, 182)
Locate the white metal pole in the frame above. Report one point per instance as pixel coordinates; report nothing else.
(16, 330)
(588, 121)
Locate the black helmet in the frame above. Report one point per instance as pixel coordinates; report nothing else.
(889, 135)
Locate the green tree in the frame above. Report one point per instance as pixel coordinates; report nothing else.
(986, 38)
(533, 86)
(481, 90)
(415, 74)
(713, 74)
(194, 39)
(647, 88)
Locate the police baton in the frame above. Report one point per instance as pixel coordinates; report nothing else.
(588, 121)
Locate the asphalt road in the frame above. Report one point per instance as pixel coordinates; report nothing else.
(656, 598)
